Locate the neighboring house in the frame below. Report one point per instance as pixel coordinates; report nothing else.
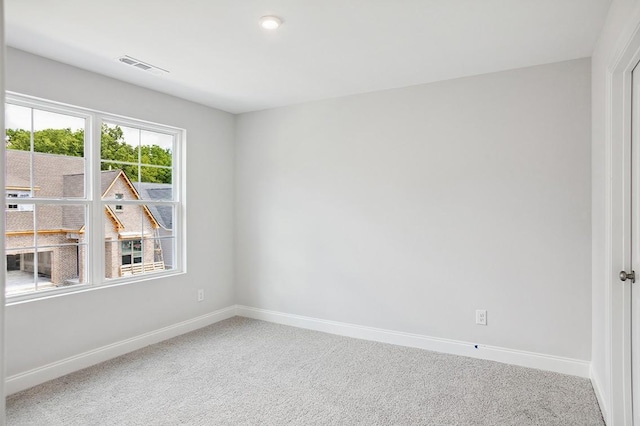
(60, 228)
(130, 228)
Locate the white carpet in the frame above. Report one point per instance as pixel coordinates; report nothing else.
(248, 372)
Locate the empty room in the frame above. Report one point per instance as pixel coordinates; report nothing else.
(283, 212)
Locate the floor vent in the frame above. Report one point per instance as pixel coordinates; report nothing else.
(142, 65)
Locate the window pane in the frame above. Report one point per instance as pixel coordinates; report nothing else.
(30, 269)
(155, 184)
(19, 246)
(54, 165)
(158, 174)
(54, 256)
(59, 134)
(163, 252)
(113, 259)
(68, 257)
(61, 265)
(156, 148)
(18, 173)
(20, 275)
(19, 228)
(134, 257)
(65, 222)
(117, 186)
(58, 176)
(164, 215)
(18, 125)
(129, 235)
(58, 159)
(111, 169)
(119, 143)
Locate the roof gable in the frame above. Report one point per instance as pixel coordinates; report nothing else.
(108, 178)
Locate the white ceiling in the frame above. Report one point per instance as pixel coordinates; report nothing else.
(217, 54)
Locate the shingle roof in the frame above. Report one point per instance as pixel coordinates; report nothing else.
(157, 191)
(17, 182)
(106, 179)
(73, 185)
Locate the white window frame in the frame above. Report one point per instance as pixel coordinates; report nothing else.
(95, 218)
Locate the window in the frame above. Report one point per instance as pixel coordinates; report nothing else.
(65, 168)
(12, 206)
(119, 197)
(19, 207)
(131, 252)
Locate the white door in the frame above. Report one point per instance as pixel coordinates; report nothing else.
(635, 246)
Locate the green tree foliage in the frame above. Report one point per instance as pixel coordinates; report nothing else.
(51, 141)
(112, 147)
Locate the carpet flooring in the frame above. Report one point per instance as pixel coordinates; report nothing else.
(247, 372)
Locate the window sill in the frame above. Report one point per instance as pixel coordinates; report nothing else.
(81, 288)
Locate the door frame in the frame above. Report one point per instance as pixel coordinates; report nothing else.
(635, 240)
(618, 224)
(3, 259)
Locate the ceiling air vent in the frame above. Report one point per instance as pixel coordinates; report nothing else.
(142, 65)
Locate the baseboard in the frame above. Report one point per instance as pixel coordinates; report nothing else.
(57, 369)
(574, 367)
(597, 389)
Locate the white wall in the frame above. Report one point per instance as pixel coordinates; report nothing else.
(622, 19)
(408, 209)
(48, 330)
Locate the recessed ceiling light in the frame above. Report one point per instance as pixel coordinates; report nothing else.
(270, 22)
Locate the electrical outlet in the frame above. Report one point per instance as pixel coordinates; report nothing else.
(481, 317)
(200, 295)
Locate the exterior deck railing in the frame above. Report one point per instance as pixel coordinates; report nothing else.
(141, 268)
